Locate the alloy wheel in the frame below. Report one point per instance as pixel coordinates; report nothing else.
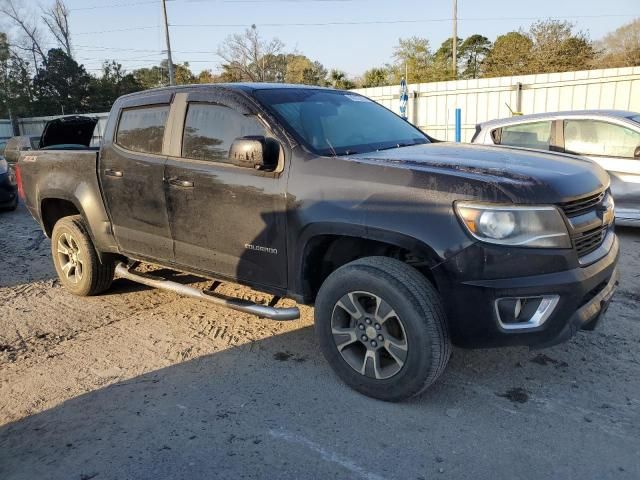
(70, 258)
(369, 335)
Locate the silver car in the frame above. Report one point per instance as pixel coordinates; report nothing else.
(609, 137)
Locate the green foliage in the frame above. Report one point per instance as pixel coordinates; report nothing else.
(556, 48)
(414, 56)
(62, 86)
(300, 69)
(4, 47)
(113, 83)
(443, 60)
(338, 79)
(473, 51)
(375, 77)
(511, 55)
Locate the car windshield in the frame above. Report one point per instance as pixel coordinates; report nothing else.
(330, 122)
(635, 118)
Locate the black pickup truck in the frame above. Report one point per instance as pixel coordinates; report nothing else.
(404, 246)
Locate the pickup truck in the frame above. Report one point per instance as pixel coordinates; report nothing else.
(404, 246)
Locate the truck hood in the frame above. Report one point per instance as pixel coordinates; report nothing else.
(72, 130)
(525, 176)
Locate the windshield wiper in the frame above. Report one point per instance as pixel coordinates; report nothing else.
(400, 145)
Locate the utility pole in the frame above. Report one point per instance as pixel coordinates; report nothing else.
(454, 40)
(172, 78)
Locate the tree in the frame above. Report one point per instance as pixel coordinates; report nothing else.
(556, 48)
(443, 61)
(375, 77)
(113, 83)
(338, 79)
(473, 51)
(32, 38)
(510, 55)
(56, 18)
(621, 48)
(248, 57)
(414, 56)
(300, 69)
(62, 86)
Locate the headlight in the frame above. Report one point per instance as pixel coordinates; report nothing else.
(4, 166)
(515, 225)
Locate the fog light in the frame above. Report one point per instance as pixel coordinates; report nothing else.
(520, 313)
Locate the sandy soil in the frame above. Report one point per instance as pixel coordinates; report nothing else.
(139, 383)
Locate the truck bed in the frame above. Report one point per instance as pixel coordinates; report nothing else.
(70, 175)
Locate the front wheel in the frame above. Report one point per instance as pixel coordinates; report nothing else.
(382, 328)
(76, 260)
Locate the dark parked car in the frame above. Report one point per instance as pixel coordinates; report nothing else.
(8, 189)
(403, 246)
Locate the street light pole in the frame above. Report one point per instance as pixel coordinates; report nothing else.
(454, 40)
(172, 78)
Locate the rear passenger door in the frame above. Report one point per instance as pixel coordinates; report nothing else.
(131, 174)
(226, 220)
(613, 146)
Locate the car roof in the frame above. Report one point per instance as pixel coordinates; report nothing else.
(240, 86)
(555, 115)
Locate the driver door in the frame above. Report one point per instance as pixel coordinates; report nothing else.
(225, 220)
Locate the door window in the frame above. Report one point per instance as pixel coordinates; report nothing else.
(210, 130)
(528, 135)
(142, 129)
(593, 137)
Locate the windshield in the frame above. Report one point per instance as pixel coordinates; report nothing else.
(331, 122)
(635, 118)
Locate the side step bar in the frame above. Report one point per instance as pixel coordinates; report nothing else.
(245, 306)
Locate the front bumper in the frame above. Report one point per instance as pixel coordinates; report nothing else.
(584, 295)
(8, 191)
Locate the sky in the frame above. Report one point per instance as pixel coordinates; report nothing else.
(325, 30)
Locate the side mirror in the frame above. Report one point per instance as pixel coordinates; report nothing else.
(14, 146)
(636, 152)
(259, 153)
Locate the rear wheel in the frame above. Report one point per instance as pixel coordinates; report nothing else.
(76, 261)
(382, 328)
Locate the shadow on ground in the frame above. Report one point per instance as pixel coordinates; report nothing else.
(272, 409)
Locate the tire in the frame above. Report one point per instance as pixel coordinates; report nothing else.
(383, 297)
(14, 205)
(76, 261)
(11, 207)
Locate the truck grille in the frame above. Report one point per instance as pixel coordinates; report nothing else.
(587, 242)
(582, 205)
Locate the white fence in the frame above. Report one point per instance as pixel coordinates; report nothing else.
(6, 131)
(432, 106)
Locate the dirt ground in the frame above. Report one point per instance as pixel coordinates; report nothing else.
(144, 384)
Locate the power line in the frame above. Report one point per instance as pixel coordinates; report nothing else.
(349, 22)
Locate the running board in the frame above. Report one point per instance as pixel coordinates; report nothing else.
(245, 306)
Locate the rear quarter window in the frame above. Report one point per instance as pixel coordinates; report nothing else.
(142, 129)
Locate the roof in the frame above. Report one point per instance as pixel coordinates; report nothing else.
(555, 115)
(241, 86)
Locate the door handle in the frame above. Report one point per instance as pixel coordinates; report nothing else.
(178, 182)
(110, 172)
